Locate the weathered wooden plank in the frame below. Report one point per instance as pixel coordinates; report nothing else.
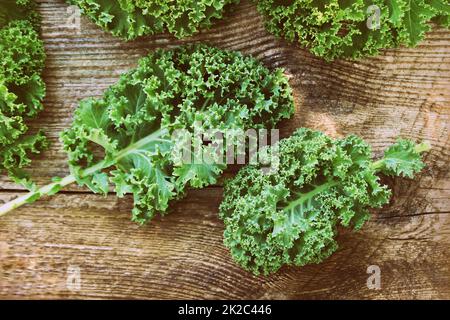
(402, 92)
(182, 256)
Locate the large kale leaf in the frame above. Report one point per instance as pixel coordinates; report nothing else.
(22, 90)
(353, 28)
(291, 216)
(130, 19)
(127, 138)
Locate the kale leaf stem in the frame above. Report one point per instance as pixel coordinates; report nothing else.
(55, 187)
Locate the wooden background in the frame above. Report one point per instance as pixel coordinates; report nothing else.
(402, 92)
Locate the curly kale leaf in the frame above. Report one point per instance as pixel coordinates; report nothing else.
(402, 159)
(291, 217)
(21, 87)
(353, 29)
(127, 138)
(131, 19)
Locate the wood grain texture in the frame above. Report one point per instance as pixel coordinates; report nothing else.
(402, 92)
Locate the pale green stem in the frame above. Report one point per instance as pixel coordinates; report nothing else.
(49, 189)
(308, 196)
(378, 165)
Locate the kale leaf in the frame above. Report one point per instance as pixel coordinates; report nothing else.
(130, 19)
(290, 217)
(21, 87)
(126, 137)
(353, 29)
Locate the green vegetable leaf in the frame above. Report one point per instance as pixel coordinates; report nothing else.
(127, 138)
(402, 159)
(291, 216)
(354, 28)
(130, 19)
(21, 87)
